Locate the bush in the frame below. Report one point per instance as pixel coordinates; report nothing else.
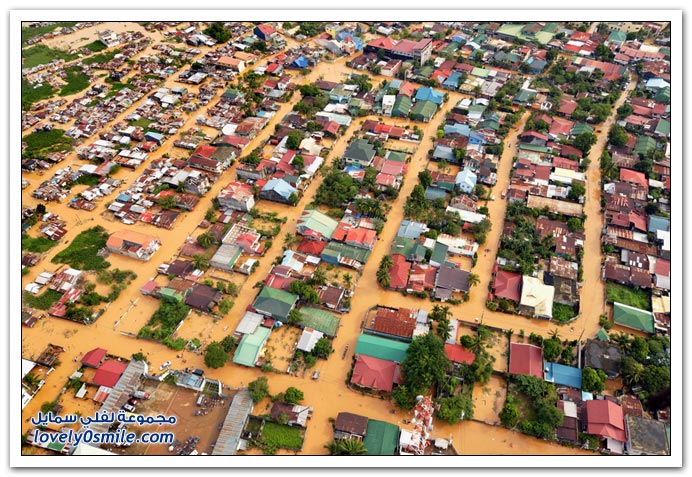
(37, 244)
(215, 356)
(593, 380)
(259, 388)
(509, 416)
(82, 251)
(293, 395)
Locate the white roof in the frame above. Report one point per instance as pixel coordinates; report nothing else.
(249, 323)
(570, 409)
(308, 339)
(537, 295)
(27, 366)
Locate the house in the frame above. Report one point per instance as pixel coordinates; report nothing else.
(278, 190)
(226, 257)
(275, 303)
(429, 94)
(308, 339)
(350, 426)
(423, 111)
(264, 31)
(398, 274)
(631, 317)
(376, 374)
(332, 297)
(203, 297)
(603, 355)
(394, 323)
(361, 237)
(382, 348)
(315, 225)
(133, 244)
(570, 428)
(251, 346)
(296, 414)
(359, 153)
(93, 358)
(457, 354)
(109, 373)
(605, 419)
(645, 436)
(249, 323)
(562, 375)
(450, 280)
(536, 298)
(382, 438)
(507, 285)
(319, 320)
(526, 359)
(237, 196)
(466, 181)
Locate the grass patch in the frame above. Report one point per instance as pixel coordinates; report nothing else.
(280, 435)
(141, 122)
(32, 32)
(88, 179)
(82, 252)
(45, 142)
(563, 313)
(628, 296)
(115, 87)
(95, 46)
(37, 244)
(101, 58)
(42, 302)
(76, 81)
(32, 94)
(42, 54)
(164, 321)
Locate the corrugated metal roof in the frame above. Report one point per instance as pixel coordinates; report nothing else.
(229, 437)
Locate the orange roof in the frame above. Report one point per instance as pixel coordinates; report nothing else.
(116, 240)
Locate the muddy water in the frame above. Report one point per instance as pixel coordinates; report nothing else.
(120, 317)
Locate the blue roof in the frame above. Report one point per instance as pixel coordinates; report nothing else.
(279, 186)
(432, 193)
(352, 169)
(429, 94)
(658, 223)
(563, 375)
(153, 134)
(300, 62)
(458, 128)
(453, 79)
(123, 197)
(411, 230)
(477, 137)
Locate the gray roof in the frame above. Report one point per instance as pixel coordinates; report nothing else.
(646, 436)
(249, 323)
(603, 355)
(360, 150)
(411, 230)
(238, 413)
(452, 278)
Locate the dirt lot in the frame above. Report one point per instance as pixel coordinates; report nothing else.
(179, 402)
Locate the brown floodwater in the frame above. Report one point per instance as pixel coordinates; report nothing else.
(329, 395)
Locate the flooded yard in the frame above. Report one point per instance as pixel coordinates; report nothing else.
(488, 400)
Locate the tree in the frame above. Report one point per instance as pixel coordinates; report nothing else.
(218, 32)
(205, 240)
(551, 349)
(593, 380)
(383, 271)
(454, 409)
(639, 349)
(632, 371)
(348, 280)
(603, 53)
(259, 388)
(509, 416)
(139, 356)
(293, 140)
(425, 178)
(200, 262)
(323, 348)
(656, 378)
(425, 364)
(625, 110)
(304, 291)
(318, 278)
(31, 380)
(617, 136)
(576, 191)
(584, 141)
(167, 202)
(228, 343)
(293, 395)
(346, 447)
(215, 356)
(575, 224)
(473, 279)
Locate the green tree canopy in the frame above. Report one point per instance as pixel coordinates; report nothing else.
(215, 356)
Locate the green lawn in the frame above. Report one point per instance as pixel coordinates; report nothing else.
(101, 58)
(42, 54)
(87, 179)
(563, 313)
(42, 302)
(637, 298)
(95, 46)
(41, 143)
(282, 436)
(29, 33)
(76, 81)
(81, 253)
(32, 94)
(37, 244)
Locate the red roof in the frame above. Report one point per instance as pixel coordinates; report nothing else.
(279, 282)
(311, 247)
(422, 277)
(605, 419)
(205, 151)
(662, 267)
(458, 354)
(567, 150)
(526, 359)
(109, 373)
(507, 285)
(399, 272)
(634, 177)
(385, 43)
(376, 373)
(93, 358)
(561, 126)
(567, 106)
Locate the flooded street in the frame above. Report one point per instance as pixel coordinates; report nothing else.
(329, 395)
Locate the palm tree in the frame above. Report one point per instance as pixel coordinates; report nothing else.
(347, 280)
(319, 277)
(31, 380)
(473, 279)
(555, 334)
(200, 261)
(205, 240)
(290, 240)
(346, 447)
(444, 329)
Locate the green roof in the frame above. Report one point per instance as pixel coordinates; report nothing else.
(277, 303)
(602, 335)
(402, 245)
(250, 346)
(581, 128)
(171, 294)
(320, 320)
(402, 105)
(663, 95)
(381, 438)
(617, 36)
(360, 151)
(424, 109)
(315, 220)
(480, 72)
(632, 317)
(529, 147)
(336, 249)
(524, 96)
(381, 348)
(396, 156)
(645, 144)
(439, 253)
(551, 27)
(426, 71)
(515, 30)
(663, 127)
